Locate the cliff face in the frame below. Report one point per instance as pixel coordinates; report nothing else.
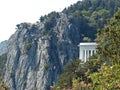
(37, 52)
(3, 47)
(36, 55)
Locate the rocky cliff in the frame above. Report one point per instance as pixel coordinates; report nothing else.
(3, 47)
(37, 52)
(36, 55)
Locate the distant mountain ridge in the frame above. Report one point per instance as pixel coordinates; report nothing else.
(3, 47)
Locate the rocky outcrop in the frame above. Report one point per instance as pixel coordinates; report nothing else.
(3, 47)
(37, 52)
(36, 55)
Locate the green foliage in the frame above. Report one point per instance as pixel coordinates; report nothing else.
(108, 78)
(3, 86)
(102, 74)
(89, 15)
(98, 73)
(77, 73)
(85, 16)
(3, 59)
(65, 80)
(86, 39)
(49, 20)
(46, 66)
(109, 40)
(27, 46)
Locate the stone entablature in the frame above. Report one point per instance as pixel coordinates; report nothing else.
(86, 50)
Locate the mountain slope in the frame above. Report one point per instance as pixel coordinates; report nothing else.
(89, 15)
(37, 56)
(37, 52)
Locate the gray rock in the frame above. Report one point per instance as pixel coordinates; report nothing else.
(3, 47)
(36, 56)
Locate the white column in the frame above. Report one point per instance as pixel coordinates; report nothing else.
(94, 51)
(91, 52)
(81, 54)
(88, 54)
(85, 56)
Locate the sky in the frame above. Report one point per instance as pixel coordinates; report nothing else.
(13, 12)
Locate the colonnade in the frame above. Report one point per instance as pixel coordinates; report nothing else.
(86, 50)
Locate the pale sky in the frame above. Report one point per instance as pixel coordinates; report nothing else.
(13, 12)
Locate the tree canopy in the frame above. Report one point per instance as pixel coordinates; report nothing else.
(109, 40)
(102, 73)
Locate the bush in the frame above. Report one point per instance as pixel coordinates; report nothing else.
(27, 46)
(3, 86)
(108, 78)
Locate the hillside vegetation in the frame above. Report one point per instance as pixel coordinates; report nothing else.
(102, 72)
(90, 15)
(37, 52)
(3, 59)
(86, 16)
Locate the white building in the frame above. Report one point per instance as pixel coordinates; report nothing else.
(86, 50)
